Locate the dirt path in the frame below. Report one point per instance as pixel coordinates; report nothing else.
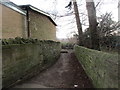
(65, 73)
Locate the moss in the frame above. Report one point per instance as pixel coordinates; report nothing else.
(25, 60)
(19, 40)
(99, 66)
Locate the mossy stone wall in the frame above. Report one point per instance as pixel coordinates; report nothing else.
(101, 67)
(22, 61)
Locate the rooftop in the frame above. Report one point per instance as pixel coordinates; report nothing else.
(21, 9)
(13, 6)
(39, 11)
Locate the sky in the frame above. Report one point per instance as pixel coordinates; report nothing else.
(67, 25)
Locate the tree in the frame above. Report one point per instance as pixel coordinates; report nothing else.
(79, 25)
(93, 24)
(106, 29)
(106, 25)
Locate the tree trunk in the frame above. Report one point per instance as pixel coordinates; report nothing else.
(93, 24)
(79, 25)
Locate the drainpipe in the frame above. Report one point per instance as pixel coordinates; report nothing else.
(28, 22)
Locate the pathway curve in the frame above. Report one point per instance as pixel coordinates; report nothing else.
(65, 73)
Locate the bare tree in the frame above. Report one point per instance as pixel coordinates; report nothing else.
(79, 25)
(106, 25)
(93, 24)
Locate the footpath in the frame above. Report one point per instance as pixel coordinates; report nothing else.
(67, 72)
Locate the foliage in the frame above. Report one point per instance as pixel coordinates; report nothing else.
(67, 45)
(110, 42)
(106, 29)
(19, 40)
(107, 42)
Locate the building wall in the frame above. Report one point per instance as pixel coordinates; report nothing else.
(13, 23)
(41, 27)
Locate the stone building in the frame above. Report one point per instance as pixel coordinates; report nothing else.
(40, 24)
(26, 21)
(13, 20)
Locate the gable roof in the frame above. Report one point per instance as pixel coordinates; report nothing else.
(13, 6)
(39, 11)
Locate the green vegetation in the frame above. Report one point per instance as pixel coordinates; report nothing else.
(67, 45)
(101, 67)
(19, 40)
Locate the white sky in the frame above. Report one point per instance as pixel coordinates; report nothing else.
(64, 29)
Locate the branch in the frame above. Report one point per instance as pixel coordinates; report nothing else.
(98, 4)
(68, 14)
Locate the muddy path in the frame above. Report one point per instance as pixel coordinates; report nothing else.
(65, 73)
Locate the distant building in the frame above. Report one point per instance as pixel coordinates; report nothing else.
(40, 24)
(13, 20)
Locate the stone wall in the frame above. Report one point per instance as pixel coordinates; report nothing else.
(101, 67)
(22, 61)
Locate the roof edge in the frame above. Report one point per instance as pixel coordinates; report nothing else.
(39, 11)
(14, 7)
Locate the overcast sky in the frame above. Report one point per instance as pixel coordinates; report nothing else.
(64, 29)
